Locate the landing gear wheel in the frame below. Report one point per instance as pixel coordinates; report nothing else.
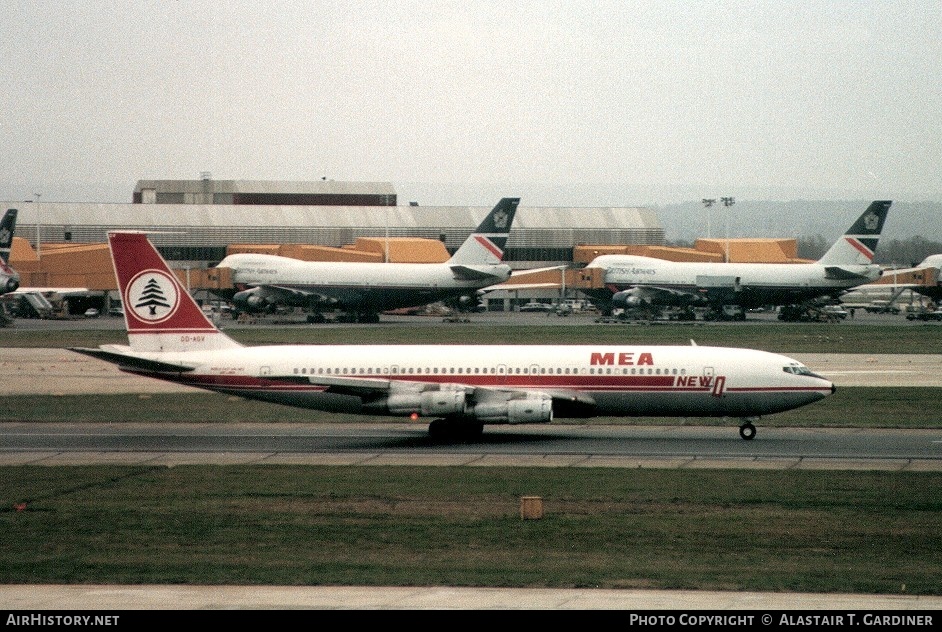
(454, 430)
(747, 431)
(472, 431)
(438, 429)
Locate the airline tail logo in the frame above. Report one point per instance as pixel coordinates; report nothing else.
(491, 246)
(500, 219)
(152, 296)
(863, 246)
(871, 221)
(6, 236)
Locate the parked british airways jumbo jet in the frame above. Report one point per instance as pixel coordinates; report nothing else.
(460, 387)
(632, 281)
(363, 290)
(9, 278)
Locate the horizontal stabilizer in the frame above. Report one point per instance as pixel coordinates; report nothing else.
(469, 273)
(838, 273)
(132, 362)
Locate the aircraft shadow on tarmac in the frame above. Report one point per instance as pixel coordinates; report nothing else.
(485, 439)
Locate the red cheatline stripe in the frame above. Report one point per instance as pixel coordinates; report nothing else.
(274, 388)
(487, 243)
(859, 246)
(250, 383)
(155, 329)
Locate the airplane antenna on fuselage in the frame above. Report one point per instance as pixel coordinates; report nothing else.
(693, 343)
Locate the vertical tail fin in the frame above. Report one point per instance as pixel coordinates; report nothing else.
(485, 246)
(7, 227)
(159, 313)
(858, 244)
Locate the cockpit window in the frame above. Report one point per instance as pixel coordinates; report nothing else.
(799, 369)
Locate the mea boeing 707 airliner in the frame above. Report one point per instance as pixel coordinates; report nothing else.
(459, 387)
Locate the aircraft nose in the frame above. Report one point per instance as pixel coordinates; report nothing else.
(833, 388)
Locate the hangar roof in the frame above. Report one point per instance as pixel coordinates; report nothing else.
(144, 216)
(220, 225)
(266, 186)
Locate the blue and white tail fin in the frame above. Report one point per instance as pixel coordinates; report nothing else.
(159, 313)
(858, 244)
(485, 246)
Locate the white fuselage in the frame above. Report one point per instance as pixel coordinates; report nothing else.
(597, 379)
(750, 284)
(370, 285)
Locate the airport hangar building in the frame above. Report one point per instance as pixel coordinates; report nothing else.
(194, 222)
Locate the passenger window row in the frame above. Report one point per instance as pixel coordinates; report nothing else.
(489, 371)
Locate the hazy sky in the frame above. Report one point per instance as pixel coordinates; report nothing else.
(564, 103)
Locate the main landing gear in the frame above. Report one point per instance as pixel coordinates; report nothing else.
(455, 430)
(747, 430)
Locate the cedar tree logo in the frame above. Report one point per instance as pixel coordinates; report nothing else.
(152, 296)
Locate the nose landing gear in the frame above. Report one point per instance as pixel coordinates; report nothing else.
(747, 431)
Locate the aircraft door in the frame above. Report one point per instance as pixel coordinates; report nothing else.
(717, 385)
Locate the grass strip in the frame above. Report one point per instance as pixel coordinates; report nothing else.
(814, 531)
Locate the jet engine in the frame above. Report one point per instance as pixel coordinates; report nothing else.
(251, 301)
(465, 302)
(451, 401)
(627, 298)
(11, 285)
(532, 410)
(427, 403)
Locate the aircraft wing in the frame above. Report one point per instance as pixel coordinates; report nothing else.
(542, 279)
(509, 287)
(373, 388)
(359, 386)
(839, 273)
(61, 291)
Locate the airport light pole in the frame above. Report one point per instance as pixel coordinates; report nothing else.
(727, 202)
(708, 202)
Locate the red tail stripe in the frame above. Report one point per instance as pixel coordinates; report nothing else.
(489, 245)
(862, 248)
